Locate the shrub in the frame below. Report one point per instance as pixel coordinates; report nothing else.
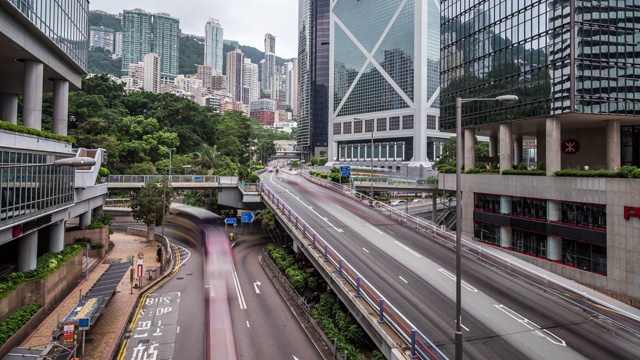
(14, 322)
(252, 177)
(522, 166)
(524, 172)
(541, 165)
(97, 245)
(589, 173)
(627, 170)
(474, 171)
(96, 225)
(635, 173)
(447, 169)
(25, 130)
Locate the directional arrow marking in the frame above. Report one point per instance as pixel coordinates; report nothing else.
(255, 285)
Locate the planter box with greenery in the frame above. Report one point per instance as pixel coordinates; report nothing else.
(15, 328)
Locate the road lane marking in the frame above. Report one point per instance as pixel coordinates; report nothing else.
(401, 278)
(407, 248)
(378, 231)
(453, 277)
(531, 325)
(255, 286)
(236, 282)
(365, 250)
(464, 327)
(248, 323)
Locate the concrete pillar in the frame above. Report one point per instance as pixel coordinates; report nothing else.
(9, 107)
(56, 237)
(493, 145)
(505, 204)
(60, 106)
(32, 103)
(541, 145)
(554, 212)
(553, 160)
(506, 237)
(28, 252)
(554, 248)
(469, 148)
(85, 219)
(506, 145)
(517, 150)
(613, 144)
(434, 207)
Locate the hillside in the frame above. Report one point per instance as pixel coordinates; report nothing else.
(191, 50)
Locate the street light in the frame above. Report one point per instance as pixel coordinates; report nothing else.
(164, 192)
(459, 154)
(371, 167)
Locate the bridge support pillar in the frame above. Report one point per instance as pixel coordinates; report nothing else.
(434, 207)
(85, 219)
(56, 237)
(28, 252)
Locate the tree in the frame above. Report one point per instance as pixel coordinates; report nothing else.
(151, 204)
(448, 157)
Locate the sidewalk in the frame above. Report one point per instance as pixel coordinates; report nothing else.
(102, 339)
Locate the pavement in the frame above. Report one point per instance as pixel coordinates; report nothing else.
(103, 337)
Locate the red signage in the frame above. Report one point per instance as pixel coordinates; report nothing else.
(630, 211)
(16, 231)
(139, 273)
(570, 146)
(68, 333)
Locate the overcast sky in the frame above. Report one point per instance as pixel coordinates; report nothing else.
(243, 20)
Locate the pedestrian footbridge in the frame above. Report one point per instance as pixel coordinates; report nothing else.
(178, 182)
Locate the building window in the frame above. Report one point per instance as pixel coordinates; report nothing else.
(381, 124)
(584, 256)
(431, 122)
(584, 215)
(346, 127)
(528, 207)
(357, 126)
(336, 128)
(394, 123)
(530, 243)
(407, 122)
(488, 233)
(486, 202)
(368, 126)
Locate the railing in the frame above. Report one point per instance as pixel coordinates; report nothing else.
(444, 214)
(249, 187)
(476, 251)
(221, 180)
(419, 344)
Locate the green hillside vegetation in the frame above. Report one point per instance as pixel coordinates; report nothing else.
(100, 62)
(191, 54)
(109, 21)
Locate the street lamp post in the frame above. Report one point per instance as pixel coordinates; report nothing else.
(459, 154)
(164, 192)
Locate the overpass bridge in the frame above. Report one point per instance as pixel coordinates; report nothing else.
(178, 182)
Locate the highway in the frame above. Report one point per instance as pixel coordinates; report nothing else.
(503, 318)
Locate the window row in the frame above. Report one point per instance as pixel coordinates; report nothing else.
(393, 123)
(381, 151)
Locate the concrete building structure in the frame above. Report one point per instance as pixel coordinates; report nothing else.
(213, 44)
(313, 77)
(42, 185)
(136, 37)
(250, 79)
(219, 82)
(292, 85)
(574, 106)
(235, 62)
(102, 37)
(268, 69)
(203, 72)
(166, 32)
(269, 43)
(151, 66)
(117, 45)
(265, 110)
(385, 82)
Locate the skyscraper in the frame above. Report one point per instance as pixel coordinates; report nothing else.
(385, 83)
(268, 69)
(203, 72)
(213, 43)
(313, 76)
(235, 62)
(269, 43)
(250, 79)
(152, 72)
(143, 32)
(166, 32)
(292, 85)
(136, 37)
(572, 69)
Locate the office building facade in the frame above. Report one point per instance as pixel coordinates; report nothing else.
(213, 44)
(572, 64)
(44, 50)
(384, 80)
(313, 77)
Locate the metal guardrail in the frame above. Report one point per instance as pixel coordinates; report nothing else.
(222, 180)
(473, 250)
(418, 343)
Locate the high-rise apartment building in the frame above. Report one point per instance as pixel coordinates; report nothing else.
(235, 62)
(313, 77)
(166, 32)
(117, 45)
(101, 37)
(385, 83)
(203, 72)
(152, 73)
(279, 90)
(219, 82)
(269, 43)
(292, 85)
(143, 32)
(136, 36)
(250, 79)
(213, 45)
(571, 65)
(268, 69)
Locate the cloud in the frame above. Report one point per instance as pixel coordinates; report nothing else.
(243, 20)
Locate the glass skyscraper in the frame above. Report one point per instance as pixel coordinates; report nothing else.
(575, 67)
(313, 77)
(384, 80)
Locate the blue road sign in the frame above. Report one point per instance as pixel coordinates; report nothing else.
(345, 170)
(83, 324)
(246, 217)
(230, 221)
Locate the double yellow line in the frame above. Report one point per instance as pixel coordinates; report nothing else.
(143, 299)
